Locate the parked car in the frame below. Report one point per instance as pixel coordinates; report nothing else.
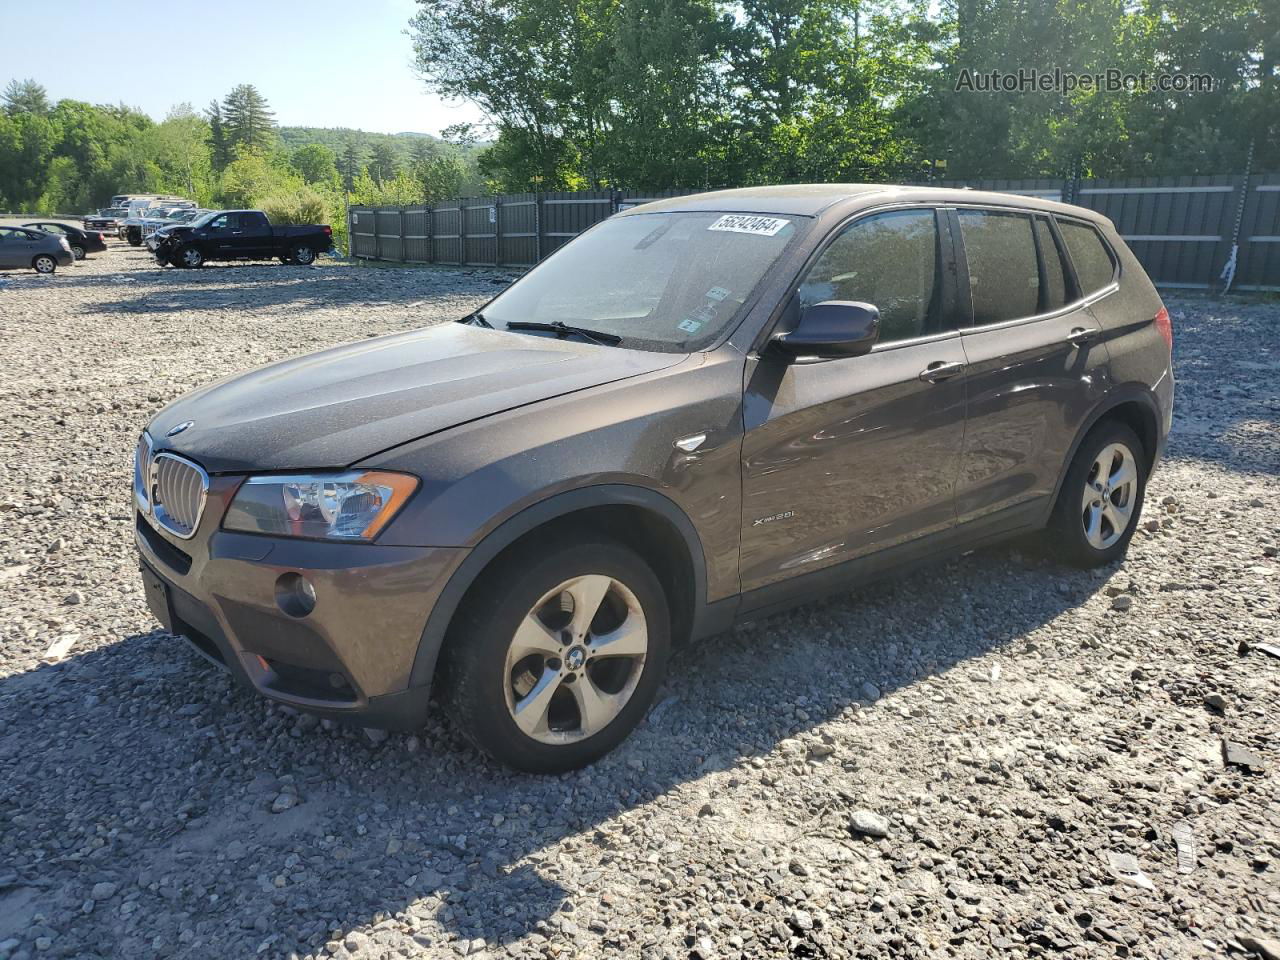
(40, 251)
(701, 411)
(134, 224)
(82, 242)
(106, 220)
(241, 235)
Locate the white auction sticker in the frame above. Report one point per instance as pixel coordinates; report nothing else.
(743, 223)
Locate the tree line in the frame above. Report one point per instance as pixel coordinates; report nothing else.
(70, 157)
(657, 93)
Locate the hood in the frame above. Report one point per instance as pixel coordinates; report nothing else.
(337, 407)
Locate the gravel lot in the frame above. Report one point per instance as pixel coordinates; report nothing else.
(1042, 748)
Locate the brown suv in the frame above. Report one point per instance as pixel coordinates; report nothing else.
(702, 410)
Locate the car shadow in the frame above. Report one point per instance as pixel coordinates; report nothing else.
(138, 765)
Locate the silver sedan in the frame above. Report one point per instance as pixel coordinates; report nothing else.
(33, 249)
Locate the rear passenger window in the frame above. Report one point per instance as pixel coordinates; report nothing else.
(1094, 266)
(1053, 291)
(1004, 275)
(889, 260)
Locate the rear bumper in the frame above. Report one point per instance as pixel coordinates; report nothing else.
(350, 658)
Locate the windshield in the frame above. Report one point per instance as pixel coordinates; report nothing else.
(671, 282)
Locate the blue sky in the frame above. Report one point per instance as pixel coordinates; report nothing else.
(304, 55)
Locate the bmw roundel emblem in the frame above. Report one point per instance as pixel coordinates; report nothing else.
(179, 428)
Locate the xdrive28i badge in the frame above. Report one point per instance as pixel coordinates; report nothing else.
(184, 425)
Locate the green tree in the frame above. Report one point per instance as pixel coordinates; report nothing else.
(384, 163)
(250, 177)
(316, 164)
(219, 148)
(247, 119)
(25, 96)
(352, 161)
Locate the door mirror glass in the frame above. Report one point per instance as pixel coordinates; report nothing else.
(832, 328)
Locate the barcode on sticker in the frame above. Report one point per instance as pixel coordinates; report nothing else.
(740, 223)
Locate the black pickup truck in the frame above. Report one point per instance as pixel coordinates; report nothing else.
(240, 235)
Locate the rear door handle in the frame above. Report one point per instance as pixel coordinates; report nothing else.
(941, 370)
(1082, 335)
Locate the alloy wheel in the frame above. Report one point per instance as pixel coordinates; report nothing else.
(45, 265)
(191, 257)
(575, 659)
(1110, 492)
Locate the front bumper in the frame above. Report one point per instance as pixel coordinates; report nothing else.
(349, 658)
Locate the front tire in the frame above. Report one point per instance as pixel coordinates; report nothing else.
(1100, 502)
(134, 236)
(190, 257)
(557, 655)
(44, 264)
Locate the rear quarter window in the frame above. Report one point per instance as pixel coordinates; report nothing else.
(1089, 254)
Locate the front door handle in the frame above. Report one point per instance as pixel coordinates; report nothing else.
(1082, 335)
(941, 370)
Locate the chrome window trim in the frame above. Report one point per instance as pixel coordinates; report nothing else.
(1049, 315)
(158, 510)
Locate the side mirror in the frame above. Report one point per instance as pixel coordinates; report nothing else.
(833, 328)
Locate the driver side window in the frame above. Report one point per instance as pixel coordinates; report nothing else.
(890, 260)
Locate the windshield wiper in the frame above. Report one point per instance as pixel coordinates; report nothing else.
(478, 319)
(564, 330)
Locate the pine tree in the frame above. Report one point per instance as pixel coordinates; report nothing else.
(352, 162)
(219, 151)
(248, 119)
(25, 96)
(385, 162)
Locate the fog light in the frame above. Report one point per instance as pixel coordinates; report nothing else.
(295, 595)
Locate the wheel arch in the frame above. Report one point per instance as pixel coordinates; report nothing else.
(1131, 405)
(638, 517)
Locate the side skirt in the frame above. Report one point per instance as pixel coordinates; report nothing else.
(776, 597)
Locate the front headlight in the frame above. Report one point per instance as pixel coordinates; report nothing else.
(341, 506)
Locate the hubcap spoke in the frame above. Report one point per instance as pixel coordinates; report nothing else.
(595, 708)
(588, 593)
(1093, 525)
(532, 637)
(1124, 474)
(630, 639)
(531, 711)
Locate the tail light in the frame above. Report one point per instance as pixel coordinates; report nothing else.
(328, 230)
(1165, 326)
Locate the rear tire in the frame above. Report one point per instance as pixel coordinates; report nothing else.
(1100, 503)
(44, 264)
(303, 255)
(78, 251)
(531, 673)
(134, 236)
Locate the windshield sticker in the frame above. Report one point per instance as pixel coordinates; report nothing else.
(739, 223)
(690, 324)
(717, 293)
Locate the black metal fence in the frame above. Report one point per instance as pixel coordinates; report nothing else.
(1196, 232)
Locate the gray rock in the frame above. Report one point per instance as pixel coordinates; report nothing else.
(103, 891)
(868, 824)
